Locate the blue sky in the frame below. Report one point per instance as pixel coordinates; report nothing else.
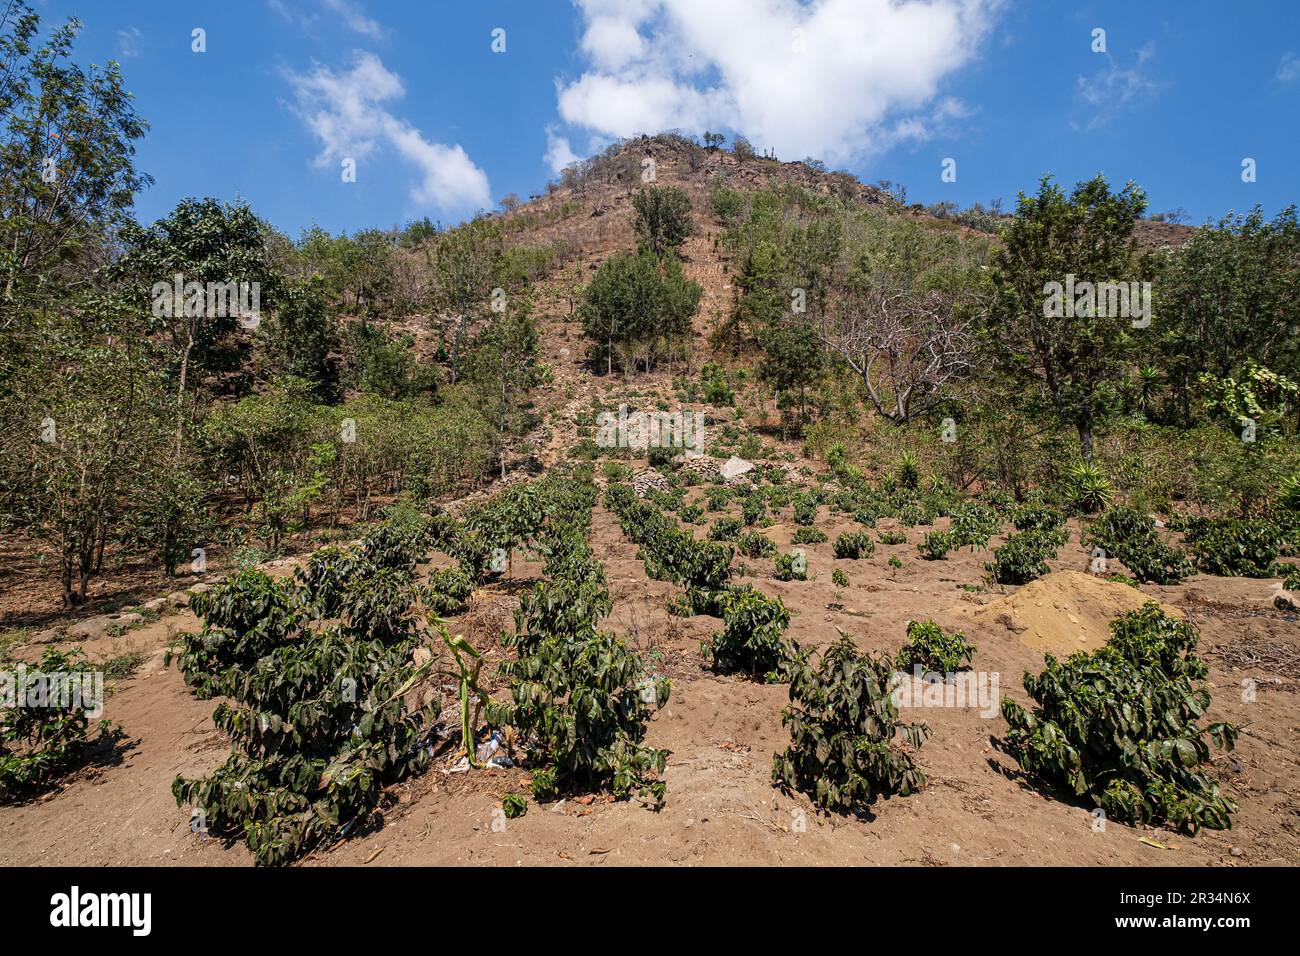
(439, 124)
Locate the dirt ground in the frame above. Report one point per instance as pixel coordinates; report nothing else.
(722, 732)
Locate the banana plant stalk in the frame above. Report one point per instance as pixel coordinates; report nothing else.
(468, 677)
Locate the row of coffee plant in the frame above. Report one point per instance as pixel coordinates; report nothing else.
(579, 696)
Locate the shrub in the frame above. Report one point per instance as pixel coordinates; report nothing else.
(725, 529)
(809, 536)
(1119, 725)
(892, 537)
(839, 578)
(312, 667)
(580, 694)
(753, 545)
(843, 720)
(1132, 538)
(791, 567)
(805, 510)
(972, 525)
(1037, 518)
(933, 650)
(38, 744)
(752, 640)
(1025, 554)
(935, 546)
(1234, 547)
(854, 544)
(753, 508)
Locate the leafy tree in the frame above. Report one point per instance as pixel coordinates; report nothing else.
(1070, 362)
(203, 241)
(635, 301)
(465, 265)
(501, 365)
(1229, 298)
(301, 336)
(792, 360)
(67, 147)
(92, 417)
(663, 219)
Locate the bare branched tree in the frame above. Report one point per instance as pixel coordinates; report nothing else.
(911, 346)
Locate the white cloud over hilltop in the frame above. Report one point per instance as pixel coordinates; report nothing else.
(826, 78)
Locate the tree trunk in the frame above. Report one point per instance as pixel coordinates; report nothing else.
(1085, 438)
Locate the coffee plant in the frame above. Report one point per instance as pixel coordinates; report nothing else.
(579, 696)
(854, 544)
(808, 536)
(317, 671)
(1120, 726)
(1024, 555)
(935, 651)
(1234, 547)
(753, 640)
(754, 545)
(935, 546)
(791, 567)
(41, 741)
(843, 720)
(1131, 537)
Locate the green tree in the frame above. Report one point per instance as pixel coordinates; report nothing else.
(1069, 359)
(301, 336)
(635, 301)
(1229, 298)
(501, 366)
(200, 241)
(92, 425)
(465, 265)
(67, 174)
(792, 361)
(662, 219)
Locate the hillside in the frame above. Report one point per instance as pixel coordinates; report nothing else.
(720, 730)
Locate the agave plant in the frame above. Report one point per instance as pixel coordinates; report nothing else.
(909, 471)
(1089, 489)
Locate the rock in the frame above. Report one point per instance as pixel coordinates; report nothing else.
(157, 604)
(1286, 601)
(178, 599)
(130, 619)
(734, 467)
(704, 468)
(91, 629)
(200, 588)
(646, 480)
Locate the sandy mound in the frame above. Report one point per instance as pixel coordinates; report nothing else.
(1064, 612)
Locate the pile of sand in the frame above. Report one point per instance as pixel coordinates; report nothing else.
(1064, 612)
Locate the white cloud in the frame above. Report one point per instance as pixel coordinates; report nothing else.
(128, 42)
(825, 78)
(558, 151)
(1288, 71)
(345, 112)
(355, 19)
(1114, 88)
